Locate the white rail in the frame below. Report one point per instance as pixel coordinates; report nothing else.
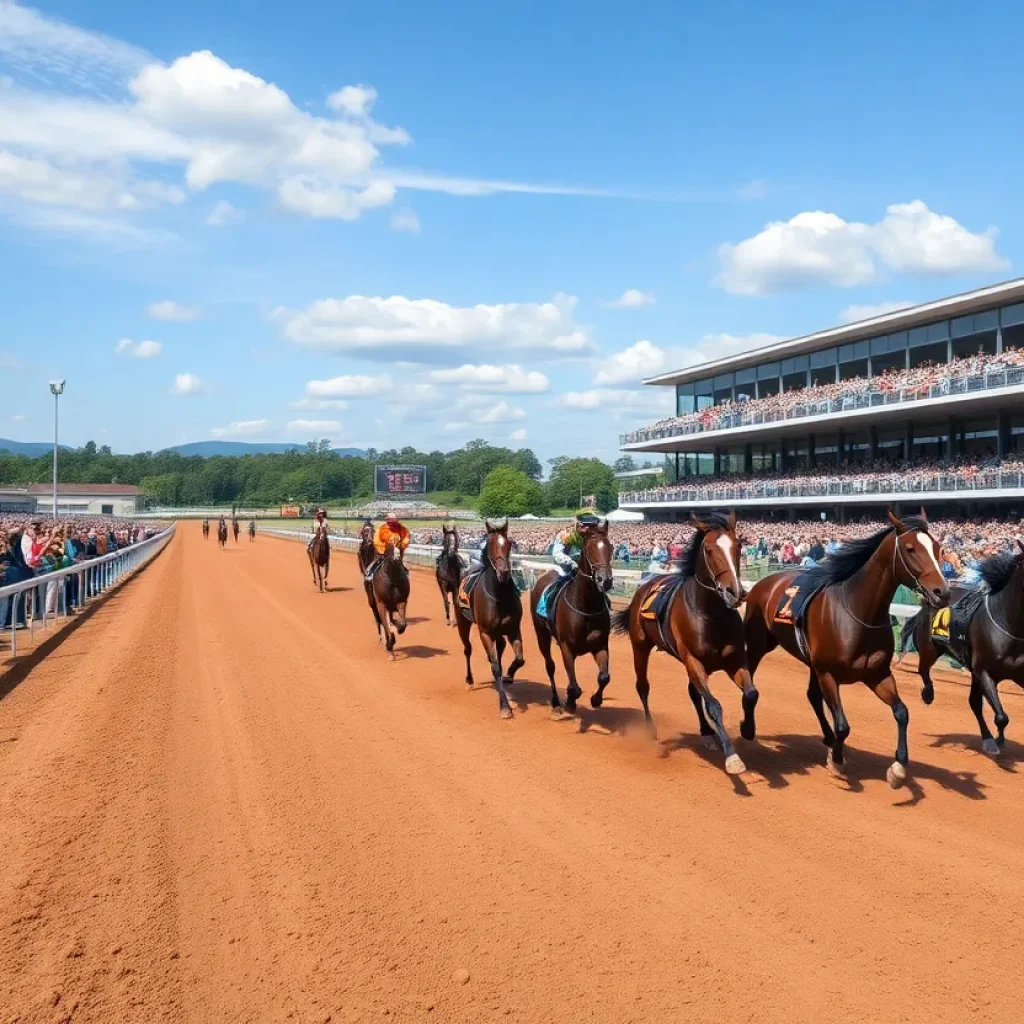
(91, 579)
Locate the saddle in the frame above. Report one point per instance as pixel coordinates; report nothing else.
(656, 604)
(547, 606)
(950, 627)
(792, 609)
(465, 595)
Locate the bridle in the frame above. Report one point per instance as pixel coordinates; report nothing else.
(916, 586)
(717, 587)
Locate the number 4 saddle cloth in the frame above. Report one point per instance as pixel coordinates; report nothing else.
(792, 608)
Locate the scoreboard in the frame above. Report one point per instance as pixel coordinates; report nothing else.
(400, 479)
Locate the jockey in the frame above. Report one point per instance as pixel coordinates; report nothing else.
(391, 530)
(319, 524)
(569, 544)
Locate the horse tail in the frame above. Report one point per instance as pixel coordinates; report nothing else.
(907, 631)
(620, 621)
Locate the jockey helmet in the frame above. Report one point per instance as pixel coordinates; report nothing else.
(587, 518)
(391, 517)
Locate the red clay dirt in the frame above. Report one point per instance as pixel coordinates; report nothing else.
(221, 803)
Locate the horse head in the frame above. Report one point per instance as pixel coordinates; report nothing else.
(450, 544)
(720, 554)
(916, 559)
(499, 550)
(366, 533)
(597, 555)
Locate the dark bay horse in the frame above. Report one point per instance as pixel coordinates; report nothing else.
(222, 533)
(319, 552)
(388, 594)
(848, 630)
(206, 529)
(449, 572)
(700, 628)
(366, 552)
(234, 529)
(582, 618)
(995, 642)
(497, 609)
(252, 530)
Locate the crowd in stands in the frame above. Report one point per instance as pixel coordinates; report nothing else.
(32, 547)
(911, 384)
(870, 477)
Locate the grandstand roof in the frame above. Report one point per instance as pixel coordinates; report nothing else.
(913, 316)
(124, 490)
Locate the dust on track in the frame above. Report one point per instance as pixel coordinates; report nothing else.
(221, 803)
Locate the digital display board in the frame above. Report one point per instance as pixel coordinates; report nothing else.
(400, 479)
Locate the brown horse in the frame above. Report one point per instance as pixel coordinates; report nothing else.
(497, 610)
(319, 552)
(448, 571)
(206, 529)
(234, 529)
(848, 630)
(366, 552)
(995, 641)
(222, 533)
(700, 627)
(582, 618)
(388, 594)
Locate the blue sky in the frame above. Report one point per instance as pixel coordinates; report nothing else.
(398, 224)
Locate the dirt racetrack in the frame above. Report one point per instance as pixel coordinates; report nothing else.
(220, 803)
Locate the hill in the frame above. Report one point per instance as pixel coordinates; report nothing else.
(206, 449)
(33, 449)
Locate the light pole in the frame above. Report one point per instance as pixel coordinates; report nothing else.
(56, 389)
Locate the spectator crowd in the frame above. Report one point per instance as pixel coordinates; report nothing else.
(927, 380)
(32, 547)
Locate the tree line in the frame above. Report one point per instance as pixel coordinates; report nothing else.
(501, 481)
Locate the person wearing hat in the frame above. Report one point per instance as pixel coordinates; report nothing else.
(319, 525)
(391, 531)
(566, 549)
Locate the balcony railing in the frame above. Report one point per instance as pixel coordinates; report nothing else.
(739, 415)
(895, 483)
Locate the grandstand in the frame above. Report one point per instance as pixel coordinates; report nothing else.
(923, 405)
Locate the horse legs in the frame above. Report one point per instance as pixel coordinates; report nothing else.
(699, 678)
(991, 692)
(464, 627)
(544, 643)
(829, 689)
(641, 658)
(389, 637)
(494, 657)
(572, 690)
(741, 677)
(976, 701)
(706, 732)
(603, 677)
(371, 601)
(828, 737)
(518, 661)
(886, 692)
(927, 655)
(444, 597)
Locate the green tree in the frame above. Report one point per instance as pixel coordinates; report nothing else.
(623, 464)
(572, 479)
(510, 492)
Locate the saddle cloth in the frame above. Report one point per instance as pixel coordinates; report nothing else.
(465, 595)
(792, 609)
(951, 627)
(549, 599)
(656, 604)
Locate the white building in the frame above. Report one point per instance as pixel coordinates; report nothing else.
(72, 499)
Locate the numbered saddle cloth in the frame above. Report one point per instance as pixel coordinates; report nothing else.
(466, 585)
(655, 605)
(792, 609)
(951, 627)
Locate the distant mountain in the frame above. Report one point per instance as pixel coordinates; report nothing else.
(33, 449)
(206, 449)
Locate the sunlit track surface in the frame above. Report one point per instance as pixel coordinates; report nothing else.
(219, 802)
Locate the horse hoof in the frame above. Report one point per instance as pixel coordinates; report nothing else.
(734, 766)
(748, 732)
(896, 775)
(990, 747)
(505, 712)
(709, 742)
(596, 700)
(559, 715)
(391, 655)
(927, 696)
(836, 770)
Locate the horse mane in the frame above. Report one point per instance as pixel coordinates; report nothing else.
(854, 554)
(708, 521)
(997, 570)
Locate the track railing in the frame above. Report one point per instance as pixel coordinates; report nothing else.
(44, 601)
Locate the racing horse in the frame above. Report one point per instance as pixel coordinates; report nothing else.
(366, 552)
(206, 529)
(846, 635)
(581, 618)
(319, 552)
(448, 571)
(692, 615)
(234, 529)
(252, 531)
(222, 534)
(994, 640)
(492, 602)
(388, 594)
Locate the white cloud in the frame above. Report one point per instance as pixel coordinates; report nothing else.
(138, 349)
(320, 403)
(639, 402)
(352, 385)
(315, 426)
(821, 248)
(511, 379)
(354, 100)
(405, 220)
(304, 194)
(187, 384)
(223, 213)
(643, 359)
(242, 428)
(456, 427)
(851, 314)
(500, 412)
(426, 330)
(632, 298)
(518, 435)
(167, 309)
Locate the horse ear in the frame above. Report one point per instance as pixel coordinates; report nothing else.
(603, 527)
(896, 521)
(1020, 544)
(732, 520)
(698, 523)
(488, 527)
(923, 514)
(504, 527)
